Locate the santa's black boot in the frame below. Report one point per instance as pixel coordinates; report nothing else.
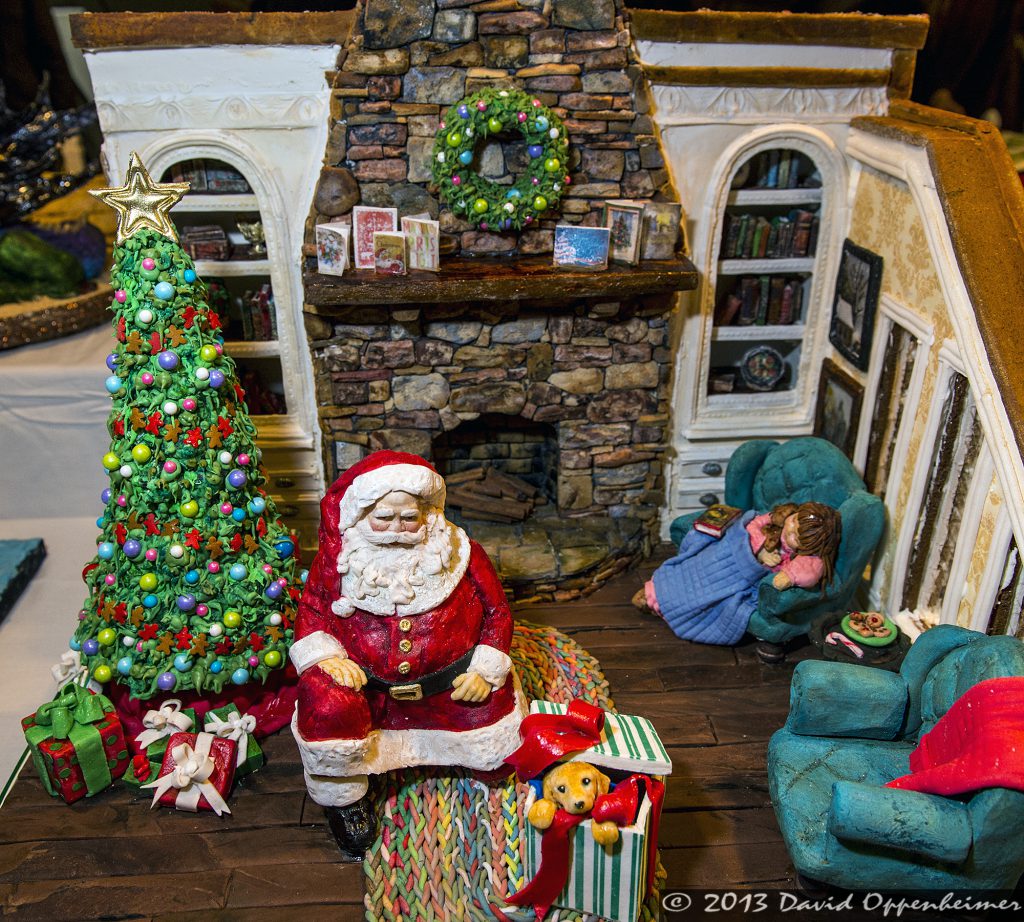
(354, 828)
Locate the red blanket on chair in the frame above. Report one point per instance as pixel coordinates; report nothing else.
(978, 743)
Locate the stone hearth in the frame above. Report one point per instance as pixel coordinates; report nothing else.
(584, 383)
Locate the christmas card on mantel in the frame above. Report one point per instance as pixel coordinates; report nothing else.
(195, 579)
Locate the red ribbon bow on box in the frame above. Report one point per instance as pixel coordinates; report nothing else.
(548, 737)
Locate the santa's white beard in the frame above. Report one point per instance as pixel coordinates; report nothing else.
(392, 567)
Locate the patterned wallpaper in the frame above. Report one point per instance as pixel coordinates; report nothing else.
(886, 220)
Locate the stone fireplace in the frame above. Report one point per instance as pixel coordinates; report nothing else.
(571, 397)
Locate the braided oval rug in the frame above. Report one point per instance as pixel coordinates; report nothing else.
(449, 845)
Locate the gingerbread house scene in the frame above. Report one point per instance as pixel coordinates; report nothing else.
(512, 460)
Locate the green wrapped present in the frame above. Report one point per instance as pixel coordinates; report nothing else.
(77, 743)
(227, 723)
(160, 724)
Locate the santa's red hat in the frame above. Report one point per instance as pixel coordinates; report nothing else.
(367, 481)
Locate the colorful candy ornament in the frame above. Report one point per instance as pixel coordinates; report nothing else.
(489, 112)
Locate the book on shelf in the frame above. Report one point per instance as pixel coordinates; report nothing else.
(812, 243)
(772, 176)
(750, 292)
(259, 317)
(786, 304)
(802, 223)
(784, 166)
(728, 310)
(763, 294)
(732, 236)
(205, 241)
(776, 287)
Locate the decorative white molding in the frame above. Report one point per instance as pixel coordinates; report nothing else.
(995, 580)
(181, 109)
(691, 105)
(967, 539)
(733, 54)
(892, 313)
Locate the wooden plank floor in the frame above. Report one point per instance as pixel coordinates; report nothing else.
(110, 857)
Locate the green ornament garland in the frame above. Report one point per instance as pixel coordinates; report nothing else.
(491, 205)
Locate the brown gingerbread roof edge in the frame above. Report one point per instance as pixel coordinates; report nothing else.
(983, 201)
(860, 30)
(195, 29)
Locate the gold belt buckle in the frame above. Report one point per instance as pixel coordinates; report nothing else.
(412, 692)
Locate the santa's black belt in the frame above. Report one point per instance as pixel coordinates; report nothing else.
(431, 684)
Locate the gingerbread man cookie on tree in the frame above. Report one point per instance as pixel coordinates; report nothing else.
(193, 586)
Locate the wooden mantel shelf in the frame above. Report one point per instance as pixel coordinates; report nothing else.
(530, 278)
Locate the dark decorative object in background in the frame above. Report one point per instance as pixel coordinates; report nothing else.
(853, 311)
(31, 171)
(838, 412)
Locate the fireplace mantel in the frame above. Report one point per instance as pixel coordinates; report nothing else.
(530, 278)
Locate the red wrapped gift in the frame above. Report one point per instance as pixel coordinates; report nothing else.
(77, 743)
(196, 774)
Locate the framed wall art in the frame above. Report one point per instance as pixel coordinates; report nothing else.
(855, 304)
(838, 411)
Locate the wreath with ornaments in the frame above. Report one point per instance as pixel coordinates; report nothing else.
(491, 205)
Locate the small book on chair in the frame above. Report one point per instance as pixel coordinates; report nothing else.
(716, 519)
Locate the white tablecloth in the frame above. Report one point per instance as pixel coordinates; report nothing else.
(53, 413)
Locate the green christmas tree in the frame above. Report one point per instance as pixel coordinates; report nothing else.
(194, 583)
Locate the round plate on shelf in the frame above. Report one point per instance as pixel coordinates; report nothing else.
(762, 367)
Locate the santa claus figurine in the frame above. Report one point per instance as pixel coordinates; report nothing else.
(402, 643)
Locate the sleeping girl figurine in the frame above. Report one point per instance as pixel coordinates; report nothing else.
(709, 590)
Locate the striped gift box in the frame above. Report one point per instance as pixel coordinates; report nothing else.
(607, 882)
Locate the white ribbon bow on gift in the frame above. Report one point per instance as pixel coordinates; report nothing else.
(71, 669)
(68, 668)
(163, 722)
(190, 775)
(234, 727)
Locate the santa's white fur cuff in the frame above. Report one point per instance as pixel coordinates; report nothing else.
(491, 665)
(314, 648)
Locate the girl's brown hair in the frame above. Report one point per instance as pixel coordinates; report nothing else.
(821, 530)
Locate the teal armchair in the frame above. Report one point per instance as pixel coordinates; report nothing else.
(761, 474)
(850, 730)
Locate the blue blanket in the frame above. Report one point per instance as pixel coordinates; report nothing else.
(708, 591)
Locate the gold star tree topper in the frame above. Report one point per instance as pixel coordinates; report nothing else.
(140, 202)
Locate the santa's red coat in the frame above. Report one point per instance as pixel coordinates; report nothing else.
(476, 613)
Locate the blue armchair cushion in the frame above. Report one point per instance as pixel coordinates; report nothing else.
(838, 699)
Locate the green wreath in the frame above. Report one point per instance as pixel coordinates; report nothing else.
(493, 206)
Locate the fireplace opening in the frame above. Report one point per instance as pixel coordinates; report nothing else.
(499, 468)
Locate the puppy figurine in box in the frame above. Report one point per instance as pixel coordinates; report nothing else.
(573, 787)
